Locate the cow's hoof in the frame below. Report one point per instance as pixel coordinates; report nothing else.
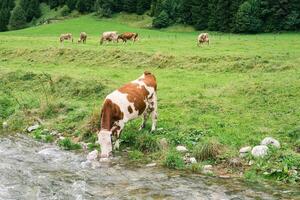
(104, 160)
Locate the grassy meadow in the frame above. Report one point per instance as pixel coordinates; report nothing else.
(234, 92)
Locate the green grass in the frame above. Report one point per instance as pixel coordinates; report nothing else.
(238, 90)
(67, 144)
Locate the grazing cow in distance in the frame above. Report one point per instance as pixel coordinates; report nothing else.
(128, 36)
(109, 36)
(134, 99)
(202, 38)
(66, 36)
(82, 37)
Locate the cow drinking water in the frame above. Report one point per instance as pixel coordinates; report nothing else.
(82, 37)
(66, 36)
(134, 99)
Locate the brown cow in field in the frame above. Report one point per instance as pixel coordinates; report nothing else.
(128, 36)
(82, 37)
(109, 36)
(202, 38)
(66, 36)
(134, 99)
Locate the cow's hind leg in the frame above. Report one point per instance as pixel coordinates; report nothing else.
(144, 120)
(154, 112)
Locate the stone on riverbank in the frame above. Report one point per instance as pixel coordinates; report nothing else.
(32, 128)
(181, 149)
(270, 141)
(207, 169)
(244, 151)
(151, 165)
(4, 125)
(93, 155)
(259, 151)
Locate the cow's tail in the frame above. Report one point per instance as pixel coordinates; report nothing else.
(136, 36)
(101, 41)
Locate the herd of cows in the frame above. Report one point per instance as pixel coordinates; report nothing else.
(113, 36)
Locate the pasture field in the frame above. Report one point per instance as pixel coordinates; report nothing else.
(235, 92)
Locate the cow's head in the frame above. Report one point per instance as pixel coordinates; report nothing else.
(104, 139)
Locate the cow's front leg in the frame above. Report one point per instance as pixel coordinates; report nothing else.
(116, 130)
(144, 120)
(154, 113)
(104, 139)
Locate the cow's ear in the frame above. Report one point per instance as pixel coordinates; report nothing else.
(147, 73)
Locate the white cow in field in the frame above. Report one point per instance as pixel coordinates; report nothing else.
(109, 36)
(202, 38)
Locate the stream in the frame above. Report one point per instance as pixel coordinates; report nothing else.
(34, 170)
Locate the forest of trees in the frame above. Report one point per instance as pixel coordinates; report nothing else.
(241, 16)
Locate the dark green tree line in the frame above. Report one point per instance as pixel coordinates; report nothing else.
(244, 16)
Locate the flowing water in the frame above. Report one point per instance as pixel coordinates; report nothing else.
(33, 170)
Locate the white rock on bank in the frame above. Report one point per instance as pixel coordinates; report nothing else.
(207, 169)
(4, 125)
(86, 164)
(32, 128)
(259, 151)
(151, 165)
(104, 160)
(182, 149)
(93, 155)
(271, 141)
(245, 149)
(193, 160)
(53, 133)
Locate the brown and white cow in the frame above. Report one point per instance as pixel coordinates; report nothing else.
(128, 36)
(134, 99)
(66, 36)
(109, 36)
(82, 37)
(202, 38)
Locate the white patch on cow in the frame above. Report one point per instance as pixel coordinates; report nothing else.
(122, 101)
(141, 83)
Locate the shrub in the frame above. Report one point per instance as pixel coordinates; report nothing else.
(40, 135)
(209, 149)
(48, 138)
(162, 20)
(65, 10)
(93, 146)
(146, 143)
(129, 138)
(17, 19)
(67, 144)
(135, 155)
(247, 17)
(6, 106)
(174, 160)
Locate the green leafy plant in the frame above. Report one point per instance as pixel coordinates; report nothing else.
(174, 160)
(67, 144)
